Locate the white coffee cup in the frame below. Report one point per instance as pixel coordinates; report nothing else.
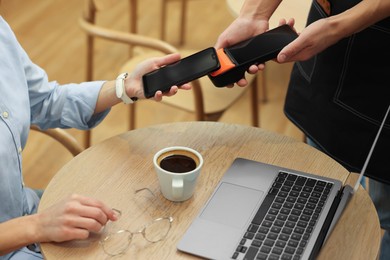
(177, 169)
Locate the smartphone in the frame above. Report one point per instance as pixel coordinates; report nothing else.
(235, 60)
(183, 71)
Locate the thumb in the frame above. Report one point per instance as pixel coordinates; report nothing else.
(168, 59)
(288, 52)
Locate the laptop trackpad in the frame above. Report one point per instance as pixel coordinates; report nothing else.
(232, 205)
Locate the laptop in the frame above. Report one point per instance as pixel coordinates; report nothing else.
(263, 211)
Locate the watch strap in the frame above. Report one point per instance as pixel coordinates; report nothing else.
(121, 91)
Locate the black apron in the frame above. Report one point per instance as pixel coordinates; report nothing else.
(339, 97)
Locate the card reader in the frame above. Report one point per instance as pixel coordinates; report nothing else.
(236, 59)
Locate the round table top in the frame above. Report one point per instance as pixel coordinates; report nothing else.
(113, 169)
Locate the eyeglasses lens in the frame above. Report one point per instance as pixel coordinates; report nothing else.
(157, 230)
(117, 243)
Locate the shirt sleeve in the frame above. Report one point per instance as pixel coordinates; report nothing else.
(65, 106)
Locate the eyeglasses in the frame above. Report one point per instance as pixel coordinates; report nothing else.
(117, 243)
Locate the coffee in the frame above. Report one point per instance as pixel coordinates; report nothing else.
(178, 163)
(177, 169)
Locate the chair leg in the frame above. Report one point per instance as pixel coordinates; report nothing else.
(254, 103)
(87, 138)
(198, 99)
(133, 22)
(89, 77)
(132, 115)
(163, 19)
(183, 22)
(262, 78)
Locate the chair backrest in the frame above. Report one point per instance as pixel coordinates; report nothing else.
(93, 30)
(63, 137)
(88, 24)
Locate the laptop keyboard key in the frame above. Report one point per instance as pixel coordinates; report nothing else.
(297, 188)
(296, 236)
(261, 256)
(299, 230)
(310, 182)
(251, 253)
(253, 228)
(267, 224)
(265, 249)
(280, 243)
(290, 224)
(287, 230)
(292, 177)
(284, 237)
(292, 243)
(276, 229)
(272, 236)
(256, 243)
(301, 181)
(273, 257)
(269, 242)
(270, 217)
(249, 235)
(277, 250)
(279, 223)
(289, 250)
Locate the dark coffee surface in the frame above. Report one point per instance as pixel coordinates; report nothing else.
(178, 163)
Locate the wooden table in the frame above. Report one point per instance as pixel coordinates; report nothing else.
(113, 169)
(287, 9)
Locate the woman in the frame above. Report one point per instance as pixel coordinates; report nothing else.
(27, 97)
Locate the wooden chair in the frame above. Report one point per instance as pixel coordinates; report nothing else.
(63, 137)
(55, 147)
(182, 23)
(91, 7)
(205, 100)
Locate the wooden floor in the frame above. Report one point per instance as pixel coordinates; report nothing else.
(49, 32)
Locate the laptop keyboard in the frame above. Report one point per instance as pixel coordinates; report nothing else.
(284, 222)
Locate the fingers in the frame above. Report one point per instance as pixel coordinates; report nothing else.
(253, 69)
(291, 51)
(290, 22)
(158, 96)
(168, 59)
(98, 209)
(73, 218)
(86, 213)
(242, 82)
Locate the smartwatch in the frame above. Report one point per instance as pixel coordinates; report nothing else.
(121, 91)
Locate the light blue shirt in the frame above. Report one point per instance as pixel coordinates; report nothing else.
(27, 97)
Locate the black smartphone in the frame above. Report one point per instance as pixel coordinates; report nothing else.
(183, 71)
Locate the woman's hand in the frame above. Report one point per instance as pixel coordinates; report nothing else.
(72, 218)
(134, 82)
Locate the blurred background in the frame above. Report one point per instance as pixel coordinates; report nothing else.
(50, 33)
